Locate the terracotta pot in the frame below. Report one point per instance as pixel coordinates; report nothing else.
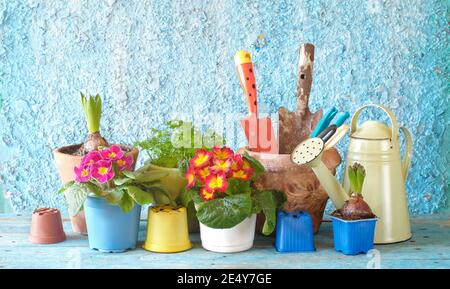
(46, 227)
(65, 163)
(174, 183)
(302, 188)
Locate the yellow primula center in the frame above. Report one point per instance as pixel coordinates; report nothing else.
(216, 182)
(84, 173)
(201, 159)
(112, 155)
(239, 174)
(120, 163)
(191, 178)
(103, 170)
(204, 172)
(207, 195)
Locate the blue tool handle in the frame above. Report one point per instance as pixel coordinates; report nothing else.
(324, 121)
(341, 118)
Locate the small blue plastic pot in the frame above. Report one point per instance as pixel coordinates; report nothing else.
(109, 228)
(294, 232)
(353, 237)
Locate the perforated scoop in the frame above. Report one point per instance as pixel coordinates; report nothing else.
(307, 151)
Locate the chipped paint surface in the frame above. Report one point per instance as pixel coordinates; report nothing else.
(151, 59)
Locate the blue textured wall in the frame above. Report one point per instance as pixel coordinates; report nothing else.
(150, 59)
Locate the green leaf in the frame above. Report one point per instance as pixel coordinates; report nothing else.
(126, 203)
(75, 196)
(255, 164)
(94, 189)
(140, 196)
(226, 212)
(65, 187)
(236, 186)
(150, 176)
(122, 181)
(268, 202)
(128, 174)
(186, 197)
(115, 196)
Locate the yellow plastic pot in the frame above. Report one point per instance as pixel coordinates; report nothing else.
(174, 183)
(167, 230)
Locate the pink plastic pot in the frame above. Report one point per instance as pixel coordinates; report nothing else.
(46, 227)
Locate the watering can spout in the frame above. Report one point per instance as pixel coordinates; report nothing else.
(309, 153)
(329, 182)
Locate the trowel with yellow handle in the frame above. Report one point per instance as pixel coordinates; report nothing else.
(258, 131)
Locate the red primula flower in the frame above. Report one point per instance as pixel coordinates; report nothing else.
(190, 178)
(236, 163)
(221, 166)
(242, 174)
(203, 173)
(223, 153)
(201, 159)
(207, 196)
(216, 183)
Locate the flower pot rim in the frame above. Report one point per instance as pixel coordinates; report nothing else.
(353, 221)
(253, 214)
(58, 149)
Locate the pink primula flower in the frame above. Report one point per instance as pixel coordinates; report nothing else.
(91, 158)
(112, 153)
(125, 163)
(82, 174)
(102, 171)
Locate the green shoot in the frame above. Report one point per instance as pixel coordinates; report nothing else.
(356, 175)
(92, 107)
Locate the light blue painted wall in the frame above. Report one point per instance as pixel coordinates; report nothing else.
(150, 59)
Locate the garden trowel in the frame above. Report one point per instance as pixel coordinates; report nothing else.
(259, 133)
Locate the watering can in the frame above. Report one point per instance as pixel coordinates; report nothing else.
(376, 147)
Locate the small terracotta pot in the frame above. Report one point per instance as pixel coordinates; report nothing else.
(46, 227)
(65, 163)
(302, 188)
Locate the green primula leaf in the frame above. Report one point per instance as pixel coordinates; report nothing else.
(236, 186)
(75, 196)
(65, 187)
(268, 202)
(185, 197)
(122, 181)
(226, 212)
(150, 176)
(140, 196)
(115, 196)
(94, 189)
(255, 164)
(126, 203)
(128, 174)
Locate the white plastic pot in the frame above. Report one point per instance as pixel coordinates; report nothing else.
(236, 239)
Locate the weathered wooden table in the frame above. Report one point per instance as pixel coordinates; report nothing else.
(428, 248)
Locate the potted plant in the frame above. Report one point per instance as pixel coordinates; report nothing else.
(111, 195)
(220, 183)
(169, 150)
(68, 157)
(354, 223)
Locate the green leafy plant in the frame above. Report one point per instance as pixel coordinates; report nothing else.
(176, 143)
(221, 185)
(107, 174)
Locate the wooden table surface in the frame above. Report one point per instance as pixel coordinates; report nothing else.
(428, 248)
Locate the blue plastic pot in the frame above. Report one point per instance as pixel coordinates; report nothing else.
(353, 237)
(294, 232)
(109, 228)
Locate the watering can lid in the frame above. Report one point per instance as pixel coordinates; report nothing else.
(373, 130)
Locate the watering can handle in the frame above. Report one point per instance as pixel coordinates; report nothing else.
(394, 135)
(406, 162)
